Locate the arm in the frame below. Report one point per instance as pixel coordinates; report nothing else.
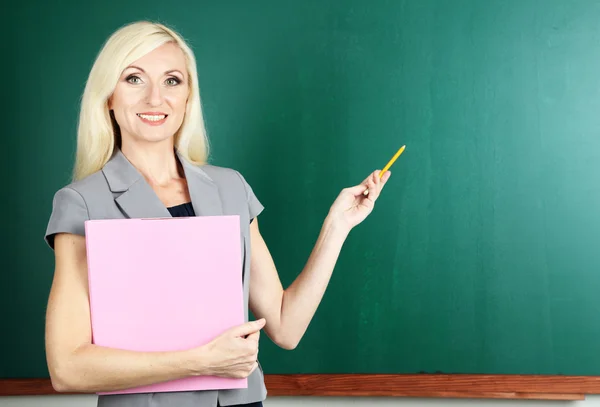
(289, 312)
(74, 363)
(77, 365)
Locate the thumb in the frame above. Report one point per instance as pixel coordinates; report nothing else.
(248, 328)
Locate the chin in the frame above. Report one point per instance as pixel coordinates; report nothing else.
(155, 136)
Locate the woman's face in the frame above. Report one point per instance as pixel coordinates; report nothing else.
(150, 98)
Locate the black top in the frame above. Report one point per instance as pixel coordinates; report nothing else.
(182, 210)
(185, 209)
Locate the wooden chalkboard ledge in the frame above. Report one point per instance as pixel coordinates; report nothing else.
(435, 385)
(414, 385)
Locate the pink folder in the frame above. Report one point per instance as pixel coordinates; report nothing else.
(165, 284)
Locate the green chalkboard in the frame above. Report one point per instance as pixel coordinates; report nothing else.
(482, 255)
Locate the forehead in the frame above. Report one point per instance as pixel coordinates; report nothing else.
(164, 58)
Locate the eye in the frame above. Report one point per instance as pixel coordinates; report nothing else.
(173, 81)
(133, 79)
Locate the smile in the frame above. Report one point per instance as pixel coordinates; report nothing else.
(152, 117)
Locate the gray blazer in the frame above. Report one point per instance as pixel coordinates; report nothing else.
(120, 191)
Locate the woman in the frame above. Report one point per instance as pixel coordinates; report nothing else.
(141, 152)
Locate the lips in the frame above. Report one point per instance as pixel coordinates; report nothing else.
(153, 118)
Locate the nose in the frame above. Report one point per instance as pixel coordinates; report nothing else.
(154, 95)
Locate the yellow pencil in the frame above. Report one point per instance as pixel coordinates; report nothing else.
(389, 164)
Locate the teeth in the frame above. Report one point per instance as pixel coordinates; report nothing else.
(152, 118)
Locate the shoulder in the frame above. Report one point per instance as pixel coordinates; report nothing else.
(218, 173)
(86, 187)
(70, 206)
(78, 192)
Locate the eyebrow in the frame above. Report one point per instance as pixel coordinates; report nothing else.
(166, 73)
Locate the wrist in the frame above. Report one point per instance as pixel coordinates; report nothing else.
(197, 361)
(336, 227)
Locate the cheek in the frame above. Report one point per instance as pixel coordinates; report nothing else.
(125, 100)
(123, 106)
(178, 102)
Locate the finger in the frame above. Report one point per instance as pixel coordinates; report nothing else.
(358, 189)
(246, 369)
(255, 336)
(373, 188)
(252, 357)
(374, 176)
(248, 328)
(384, 179)
(377, 178)
(369, 177)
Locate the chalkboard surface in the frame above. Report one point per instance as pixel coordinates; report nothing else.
(482, 255)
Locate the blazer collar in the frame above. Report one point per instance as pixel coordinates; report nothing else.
(137, 199)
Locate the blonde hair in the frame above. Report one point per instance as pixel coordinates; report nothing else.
(96, 138)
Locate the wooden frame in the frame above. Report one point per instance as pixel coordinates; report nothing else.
(392, 385)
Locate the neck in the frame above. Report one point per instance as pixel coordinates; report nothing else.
(157, 162)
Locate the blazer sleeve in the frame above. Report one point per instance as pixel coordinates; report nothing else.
(254, 205)
(69, 213)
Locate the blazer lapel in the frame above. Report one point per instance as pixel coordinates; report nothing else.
(204, 192)
(133, 194)
(140, 201)
(137, 199)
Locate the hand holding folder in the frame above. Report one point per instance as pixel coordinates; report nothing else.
(235, 353)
